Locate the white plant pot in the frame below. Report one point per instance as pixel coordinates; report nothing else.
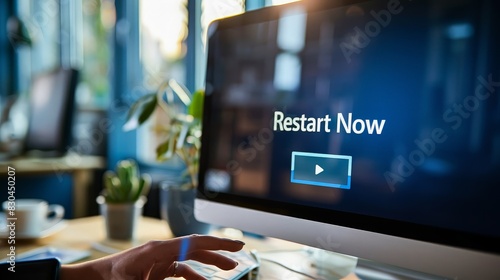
(121, 219)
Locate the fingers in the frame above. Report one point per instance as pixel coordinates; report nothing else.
(184, 270)
(207, 242)
(176, 269)
(184, 246)
(213, 258)
(165, 254)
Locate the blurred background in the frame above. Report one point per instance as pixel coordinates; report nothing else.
(88, 61)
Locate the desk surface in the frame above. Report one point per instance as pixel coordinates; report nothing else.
(70, 162)
(86, 233)
(80, 166)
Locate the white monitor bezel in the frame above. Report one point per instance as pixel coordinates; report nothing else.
(435, 259)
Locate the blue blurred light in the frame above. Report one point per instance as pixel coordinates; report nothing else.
(460, 31)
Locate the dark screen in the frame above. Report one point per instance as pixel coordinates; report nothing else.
(47, 269)
(407, 91)
(51, 111)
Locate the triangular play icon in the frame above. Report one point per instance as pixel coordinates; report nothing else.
(318, 170)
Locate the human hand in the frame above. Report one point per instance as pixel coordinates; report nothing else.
(157, 260)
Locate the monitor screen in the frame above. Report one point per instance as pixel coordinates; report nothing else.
(51, 105)
(381, 116)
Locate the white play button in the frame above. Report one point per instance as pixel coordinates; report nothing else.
(317, 170)
(324, 170)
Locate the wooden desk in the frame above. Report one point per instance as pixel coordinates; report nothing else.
(80, 166)
(85, 233)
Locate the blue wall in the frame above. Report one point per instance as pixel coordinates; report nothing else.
(54, 189)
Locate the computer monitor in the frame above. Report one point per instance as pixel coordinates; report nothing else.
(369, 128)
(51, 112)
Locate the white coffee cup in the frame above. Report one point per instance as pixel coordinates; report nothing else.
(33, 215)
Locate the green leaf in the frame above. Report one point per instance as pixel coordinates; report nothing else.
(138, 103)
(162, 149)
(140, 111)
(135, 184)
(143, 187)
(126, 184)
(148, 109)
(195, 109)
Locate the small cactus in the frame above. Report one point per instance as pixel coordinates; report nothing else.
(126, 184)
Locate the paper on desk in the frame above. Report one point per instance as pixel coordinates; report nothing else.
(333, 264)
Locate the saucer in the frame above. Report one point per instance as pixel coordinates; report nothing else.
(49, 229)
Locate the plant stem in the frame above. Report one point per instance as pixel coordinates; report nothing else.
(189, 165)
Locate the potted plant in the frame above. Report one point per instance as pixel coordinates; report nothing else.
(180, 137)
(123, 198)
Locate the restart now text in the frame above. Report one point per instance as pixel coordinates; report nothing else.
(345, 124)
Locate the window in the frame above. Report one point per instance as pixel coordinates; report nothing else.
(41, 19)
(171, 37)
(72, 34)
(163, 53)
(94, 58)
(163, 29)
(41, 27)
(281, 2)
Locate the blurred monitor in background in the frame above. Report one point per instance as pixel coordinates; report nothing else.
(51, 113)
